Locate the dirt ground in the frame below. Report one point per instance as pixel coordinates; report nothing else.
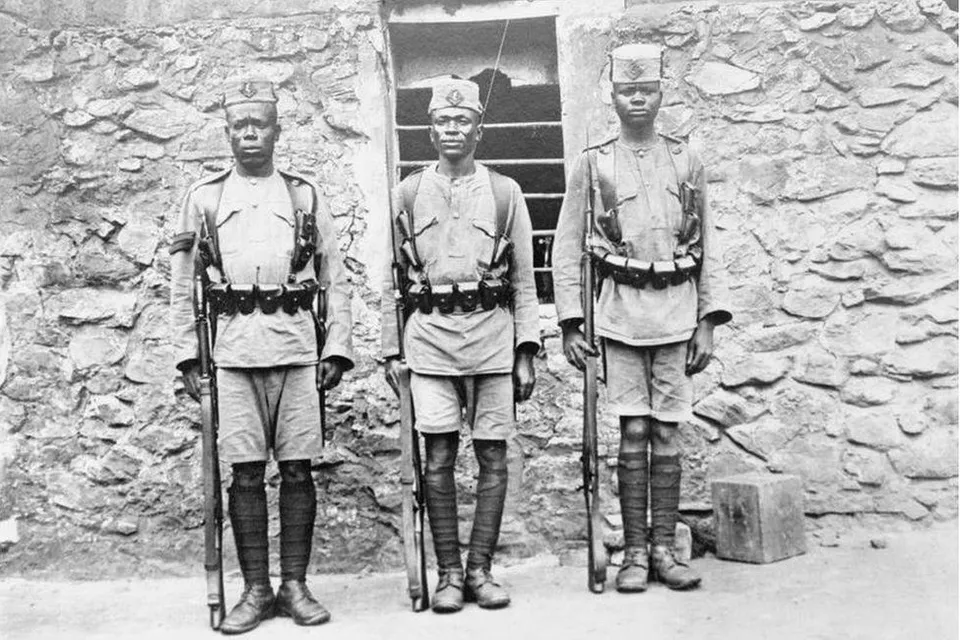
(907, 590)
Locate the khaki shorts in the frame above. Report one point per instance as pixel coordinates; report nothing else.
(263, 409)
(485, 402)
(648, 381)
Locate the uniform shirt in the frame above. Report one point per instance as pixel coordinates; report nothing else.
(647, 186)
(255, 227)
(455, 222)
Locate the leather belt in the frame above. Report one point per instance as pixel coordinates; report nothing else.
(230, 299)
(462, 296)
(638, 273)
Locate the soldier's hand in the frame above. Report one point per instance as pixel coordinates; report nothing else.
(391, 371)
(576, 348)
(524, 376)
(191, 381)
(329, 372)
(700, 348)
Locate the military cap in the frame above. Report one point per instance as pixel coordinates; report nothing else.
(636, 63)
(248, 90)
(454, 92)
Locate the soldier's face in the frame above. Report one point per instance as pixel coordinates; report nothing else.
(455, 132)
(637, 103)
(253, 131)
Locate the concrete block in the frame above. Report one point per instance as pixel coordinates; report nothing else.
(758, 517)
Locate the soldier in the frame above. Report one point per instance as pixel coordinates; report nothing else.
(267, 243)
(655, 257)
(471, 335)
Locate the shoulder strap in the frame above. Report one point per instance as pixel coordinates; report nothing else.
(293, 183)
(503, 198)
(606, 163)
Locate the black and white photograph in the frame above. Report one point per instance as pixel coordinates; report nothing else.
(497, 319)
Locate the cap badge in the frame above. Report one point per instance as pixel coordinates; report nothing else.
(248, 90)
(455, 97)
(635, 69)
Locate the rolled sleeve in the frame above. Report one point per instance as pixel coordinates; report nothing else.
(568, 245)
(182, 323)
(711, 292)
(332, 275)
(526, 315)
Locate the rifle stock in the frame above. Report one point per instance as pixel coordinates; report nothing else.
(212, 496)
(596, 552)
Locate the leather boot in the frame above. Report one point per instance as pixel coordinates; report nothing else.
(448, 598)
(295, 600)
(481, 588)
(256, 604)
(670, 571)
(632, 577)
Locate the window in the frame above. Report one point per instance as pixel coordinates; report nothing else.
(522, 135)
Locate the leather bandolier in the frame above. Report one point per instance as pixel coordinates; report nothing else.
(487, 293)
(610, 253)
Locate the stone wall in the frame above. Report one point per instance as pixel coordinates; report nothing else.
(829, 130)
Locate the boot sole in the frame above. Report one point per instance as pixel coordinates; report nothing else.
(631, 589)
(311, 622)
(685, 586)
(444, 609)
(235, 631)
(496, 604)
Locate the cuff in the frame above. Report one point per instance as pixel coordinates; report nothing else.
(717, 315)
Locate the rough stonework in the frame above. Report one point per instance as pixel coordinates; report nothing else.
(829, 130)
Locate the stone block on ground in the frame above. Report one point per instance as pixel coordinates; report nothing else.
(759, 518)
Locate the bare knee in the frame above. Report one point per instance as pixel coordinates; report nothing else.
(634, 432)
(665, 438)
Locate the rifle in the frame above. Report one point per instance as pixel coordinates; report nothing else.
(212, 497)
(413, 499)
(596, 552)
(320, 322)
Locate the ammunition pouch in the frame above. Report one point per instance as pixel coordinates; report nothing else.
(638, 273)
(465, 296)
(231, 299)
(305, 241)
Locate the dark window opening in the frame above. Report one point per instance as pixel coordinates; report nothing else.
(522, 135)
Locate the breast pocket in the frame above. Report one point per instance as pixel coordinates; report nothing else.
(426, 230)
(483, 235)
